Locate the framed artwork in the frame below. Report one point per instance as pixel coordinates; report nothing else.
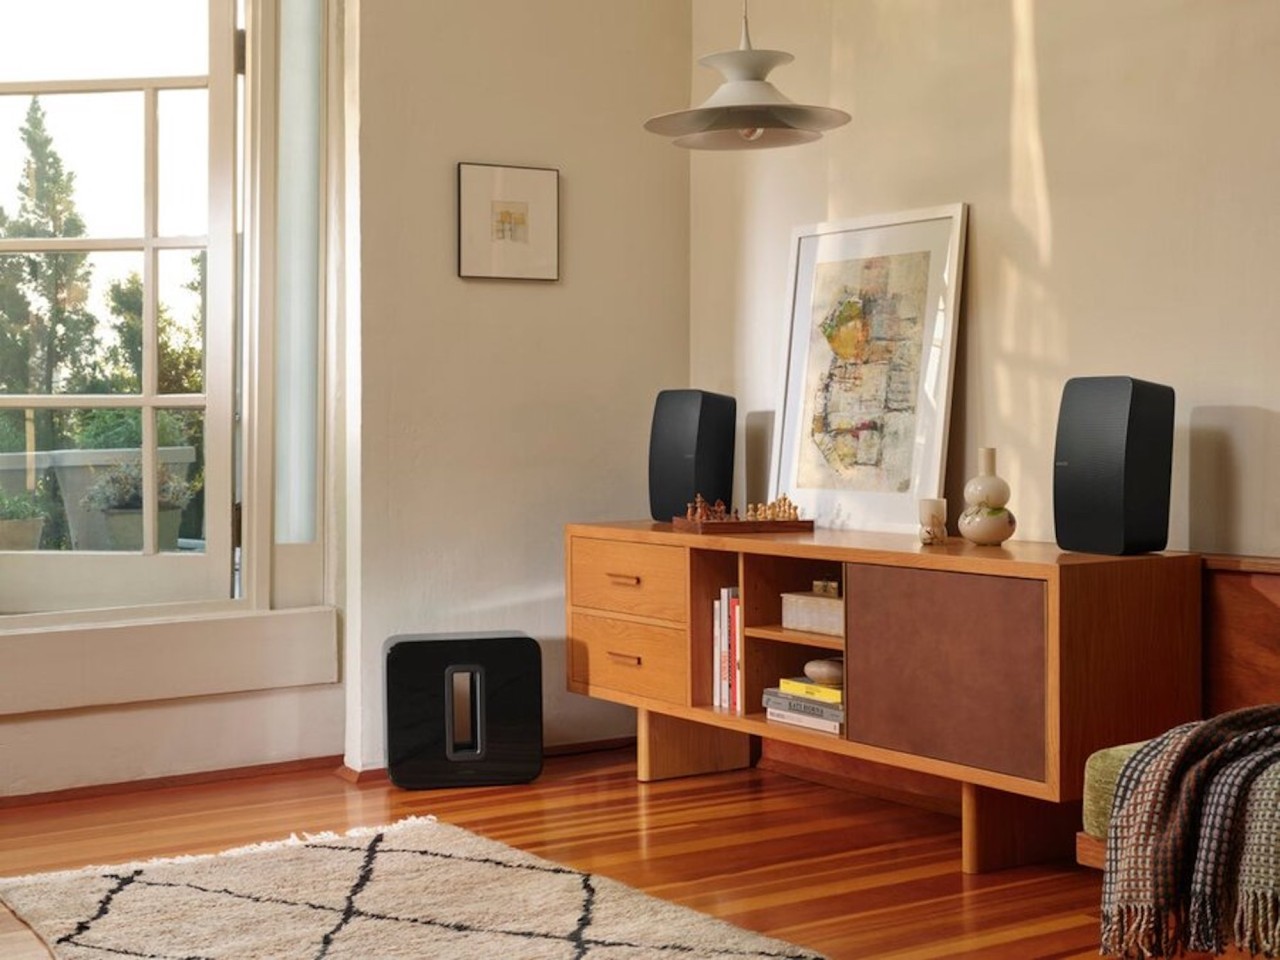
(867, 384)
(508, 222)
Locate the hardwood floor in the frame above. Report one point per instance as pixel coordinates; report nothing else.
(851, 876)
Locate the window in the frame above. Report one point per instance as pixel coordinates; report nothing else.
(162, 312)
(117, 301)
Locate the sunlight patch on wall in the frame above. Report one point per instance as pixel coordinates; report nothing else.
(1029, 187)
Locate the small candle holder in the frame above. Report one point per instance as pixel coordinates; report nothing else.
(933, 520)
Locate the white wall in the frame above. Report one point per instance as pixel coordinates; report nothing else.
(494, 412)
(56, 751)
(1124, 219)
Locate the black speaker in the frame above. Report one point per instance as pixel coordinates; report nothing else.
(690, 451)
(463, 709)
(1112, 464)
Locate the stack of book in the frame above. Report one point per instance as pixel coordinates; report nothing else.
(802, 703)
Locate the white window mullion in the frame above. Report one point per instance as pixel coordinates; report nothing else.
(258, 402)
(150, 312)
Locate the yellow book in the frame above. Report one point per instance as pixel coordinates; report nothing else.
(803, 687)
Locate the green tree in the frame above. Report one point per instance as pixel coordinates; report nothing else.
(48, 341)
(180, 349)
(181, 371)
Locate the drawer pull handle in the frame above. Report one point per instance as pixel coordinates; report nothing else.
(624, 579)
(630, 659)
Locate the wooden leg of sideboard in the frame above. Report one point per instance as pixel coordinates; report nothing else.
(1001, 830)
(669, 747)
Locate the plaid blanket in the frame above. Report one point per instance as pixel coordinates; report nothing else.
(1257, 924)
(1183, 805)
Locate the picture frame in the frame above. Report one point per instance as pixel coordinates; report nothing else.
(508, 222)
(870, 353)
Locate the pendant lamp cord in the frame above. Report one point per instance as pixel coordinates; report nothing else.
(745, 42)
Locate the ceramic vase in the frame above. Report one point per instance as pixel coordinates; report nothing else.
(986, 520)
(933, 521)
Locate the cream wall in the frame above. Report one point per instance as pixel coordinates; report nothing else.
(493, 412)
(1124, 216)
(1120, 167)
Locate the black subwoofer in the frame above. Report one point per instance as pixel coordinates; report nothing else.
(690, 451)
(463, 709)
(1112, 464)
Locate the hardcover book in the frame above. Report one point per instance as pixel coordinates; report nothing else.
(804, 687)
(801, 720)
(778, 700)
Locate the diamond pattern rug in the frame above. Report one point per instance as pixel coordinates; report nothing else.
(416, 889)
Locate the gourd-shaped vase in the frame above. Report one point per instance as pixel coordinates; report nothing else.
(986, 520)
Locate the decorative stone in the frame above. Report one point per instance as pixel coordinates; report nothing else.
(827, 672)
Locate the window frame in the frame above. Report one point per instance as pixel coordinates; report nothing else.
(65, 581)
(275, 579)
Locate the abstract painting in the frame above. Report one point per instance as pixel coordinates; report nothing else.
(870, 351)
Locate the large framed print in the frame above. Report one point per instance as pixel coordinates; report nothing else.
(869, 359)
(508, 222)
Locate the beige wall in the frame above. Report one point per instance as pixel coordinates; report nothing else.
(494, 412)
(1120, 169)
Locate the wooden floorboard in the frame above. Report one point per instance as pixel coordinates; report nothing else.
(846, 874)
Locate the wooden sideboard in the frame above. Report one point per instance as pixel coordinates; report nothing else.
(1001, 668)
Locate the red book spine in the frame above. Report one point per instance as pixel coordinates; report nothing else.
(735, 656)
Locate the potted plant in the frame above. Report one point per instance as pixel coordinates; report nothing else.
(21, 520)
(117, 492)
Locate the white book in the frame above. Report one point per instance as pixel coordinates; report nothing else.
(717, 654)
(801, 720)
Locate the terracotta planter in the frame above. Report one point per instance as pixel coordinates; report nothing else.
(21, 534)
(124, 528)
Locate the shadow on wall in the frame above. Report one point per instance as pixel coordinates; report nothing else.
(1234, 468)
(758, 445)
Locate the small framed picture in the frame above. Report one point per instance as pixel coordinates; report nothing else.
(867, 387)
(508, 222)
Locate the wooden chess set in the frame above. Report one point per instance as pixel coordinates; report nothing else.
(778, 516)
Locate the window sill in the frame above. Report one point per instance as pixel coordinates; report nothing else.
(93, 665)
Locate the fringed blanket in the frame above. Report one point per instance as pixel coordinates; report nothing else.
(1192, 850)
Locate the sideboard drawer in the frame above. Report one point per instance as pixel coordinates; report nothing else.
(641, 579)
(629, 657)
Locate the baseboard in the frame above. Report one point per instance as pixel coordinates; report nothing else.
(862, 776)
(176, 780)
(554, 750)
(360, 776)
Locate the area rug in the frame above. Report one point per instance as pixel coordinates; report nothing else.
(416, 889)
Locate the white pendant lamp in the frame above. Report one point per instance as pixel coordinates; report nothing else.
(746, 112)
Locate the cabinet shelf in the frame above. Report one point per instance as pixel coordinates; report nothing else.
(799, 637)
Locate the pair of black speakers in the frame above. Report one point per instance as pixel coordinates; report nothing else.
(1112, 461)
